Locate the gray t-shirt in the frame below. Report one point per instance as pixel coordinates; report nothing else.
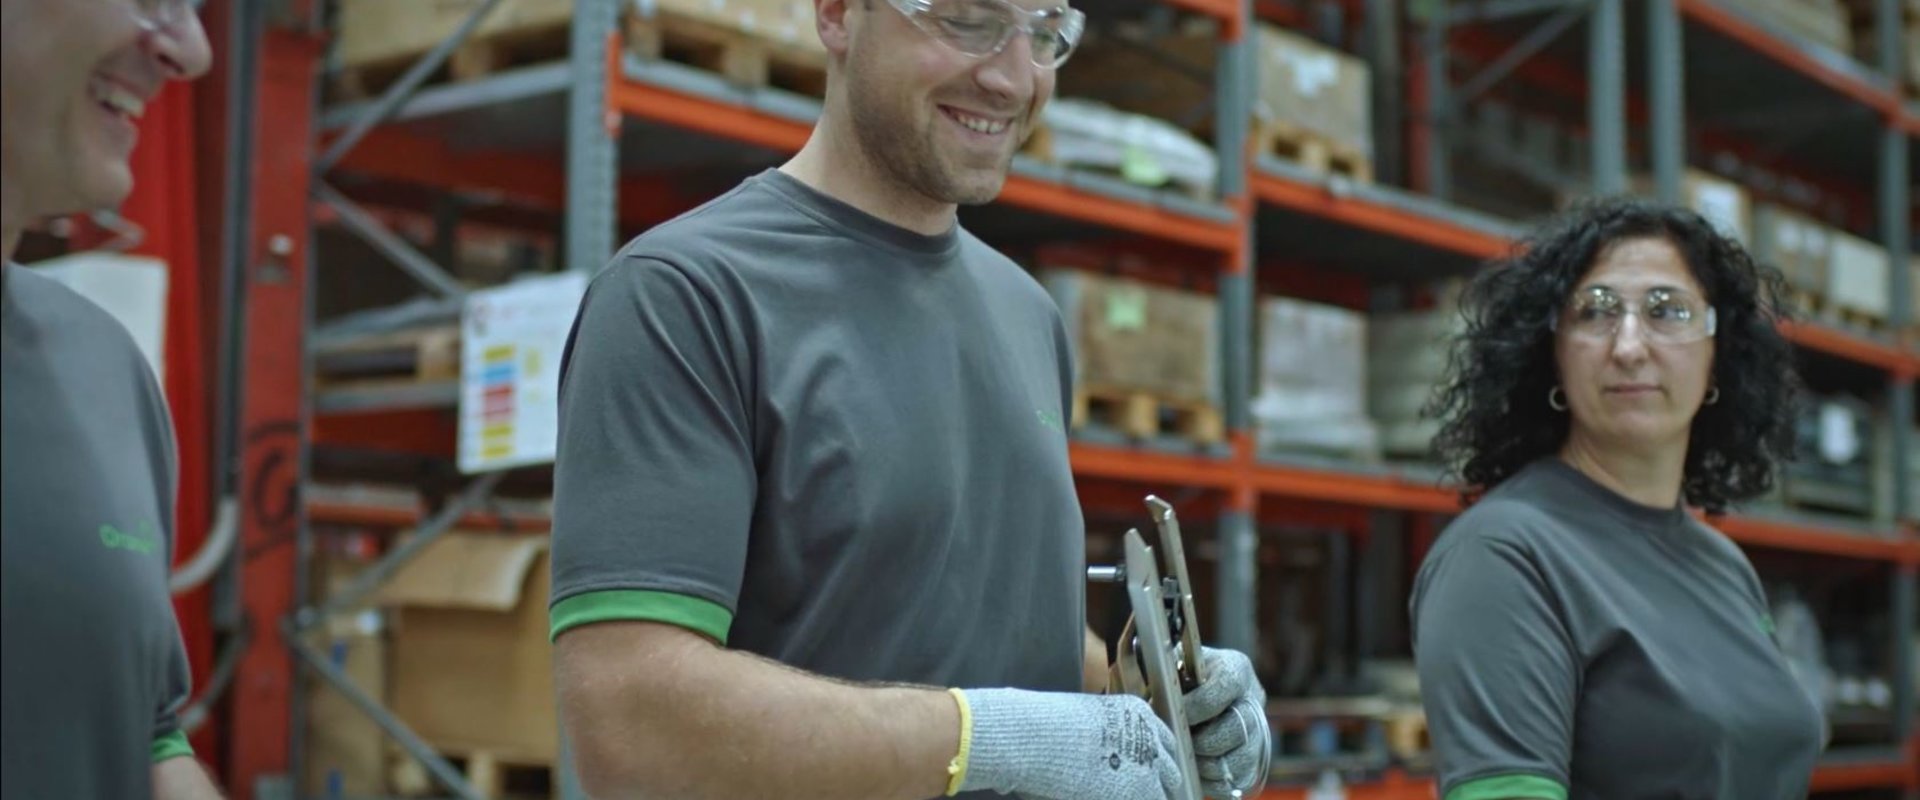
(92, 671)
(1574, 644)
(825, 439)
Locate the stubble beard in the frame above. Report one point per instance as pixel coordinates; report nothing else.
(906, 155)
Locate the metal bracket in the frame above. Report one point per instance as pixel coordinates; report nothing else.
(1529, 45)
(294, 627)
(405, 256)
(395, 95)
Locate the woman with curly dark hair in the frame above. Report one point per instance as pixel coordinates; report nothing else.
(1578, 632)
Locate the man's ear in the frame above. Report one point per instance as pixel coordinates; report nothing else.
(830, 19)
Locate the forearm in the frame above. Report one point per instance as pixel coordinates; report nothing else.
(1093, 664)
(182, 779)
(684, 718)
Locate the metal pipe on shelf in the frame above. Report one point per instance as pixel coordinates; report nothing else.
(1529, 45)
(592, 138)
(1607, 97)
(1440, 111)
(437, 766)
(1383, 53)
(1667, 95)
(397, 94)
(403, 255)
(429, 531)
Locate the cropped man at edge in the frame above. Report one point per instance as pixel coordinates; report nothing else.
(815, 530)
(92, 671)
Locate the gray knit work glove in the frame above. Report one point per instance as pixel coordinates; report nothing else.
(1226, 742)
(1064, 746)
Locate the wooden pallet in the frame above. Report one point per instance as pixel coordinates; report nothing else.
(742, 57)
(423, 355)
(479, 56)
(1312, 150)
(1818, 308)
(1407, 736)
(1141, 415)
(493, 775)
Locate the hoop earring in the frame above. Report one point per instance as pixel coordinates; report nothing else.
(1713, 396)
(1557, 399)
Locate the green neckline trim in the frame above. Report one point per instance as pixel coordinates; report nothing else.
(694, 614)
(1509, 787)
(172, 745)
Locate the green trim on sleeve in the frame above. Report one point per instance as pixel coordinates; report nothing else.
(1509, 787)
(692, 613)
(172, 745)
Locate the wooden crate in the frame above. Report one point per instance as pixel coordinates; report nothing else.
(422, 355)
(754, 43)
(1144, 353)
(378, 40)
(1308, 90)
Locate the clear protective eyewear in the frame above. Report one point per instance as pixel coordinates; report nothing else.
(156, 15)
(985, 27)
(1667, 315)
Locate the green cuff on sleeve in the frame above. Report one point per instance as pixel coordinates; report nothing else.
(1509, 787)
(172, 745)
(692, 613)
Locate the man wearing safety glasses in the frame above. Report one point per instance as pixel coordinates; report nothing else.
(92, 665)
(815, 529)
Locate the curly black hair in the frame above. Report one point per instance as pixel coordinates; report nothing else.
(1493, 402)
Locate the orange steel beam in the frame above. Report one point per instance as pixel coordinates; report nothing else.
(1712, 15)
(1227, 11)
(531, 180)
(728, 121)
(1356, 489)
(1318, 201)
(1801, 538)
(1836, 777)
(1150, 467)
(1901, 364)
(396, 518)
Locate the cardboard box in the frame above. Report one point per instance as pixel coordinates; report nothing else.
(371, 32)
(472, 670)
(1311, 391)
(1859, 277)
(1793, 243)
(1130, 335)
(1822, 22)
(785, 22)
(1314, 87)
(1171, 78)
(346, 751)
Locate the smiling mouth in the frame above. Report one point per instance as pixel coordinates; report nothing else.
(982, 125)
(116, 99)
(1636, 389)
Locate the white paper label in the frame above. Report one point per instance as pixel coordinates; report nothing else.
(510, 346)
(1838, 440)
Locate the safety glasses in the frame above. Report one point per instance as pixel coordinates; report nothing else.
(1667, 316)
(985, 27)
(157, 15)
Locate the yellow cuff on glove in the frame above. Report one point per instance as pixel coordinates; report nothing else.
(957, 768)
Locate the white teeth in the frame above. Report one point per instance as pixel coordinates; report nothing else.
(979, 125)
(118, 98)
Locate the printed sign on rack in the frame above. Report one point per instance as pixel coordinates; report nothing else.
(511, 342)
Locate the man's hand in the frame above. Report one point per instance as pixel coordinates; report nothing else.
(1227, 742)
(182, 779)
(1093, 665)
(1059, 746)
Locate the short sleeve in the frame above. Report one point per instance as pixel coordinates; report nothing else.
(654, 476)
(169, 739)
(1498, 673)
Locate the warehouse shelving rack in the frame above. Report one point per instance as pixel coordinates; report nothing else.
(555, 137)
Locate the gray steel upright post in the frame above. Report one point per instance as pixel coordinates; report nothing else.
(1441, 118)
(1895, 205)
(1383, 50)
(593, 167)
(1234, 79)
(1667, 90)
(1607, 96)
(592, 152)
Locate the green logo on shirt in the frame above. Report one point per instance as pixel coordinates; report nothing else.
(142, 542)
(1766, 624)
(1051, 419)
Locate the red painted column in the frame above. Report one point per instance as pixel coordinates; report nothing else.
(273, 420)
